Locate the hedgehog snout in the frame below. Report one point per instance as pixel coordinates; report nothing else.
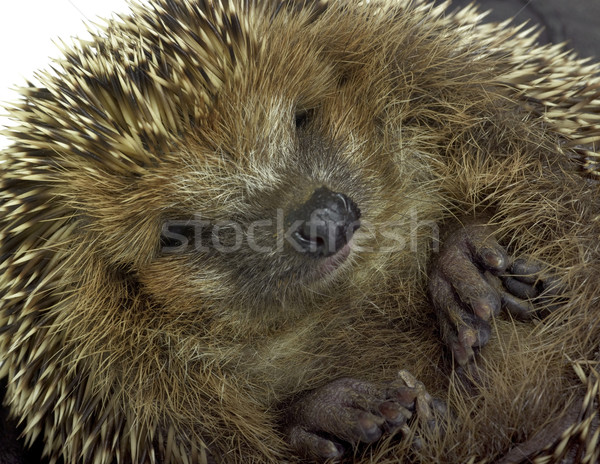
(324, 224)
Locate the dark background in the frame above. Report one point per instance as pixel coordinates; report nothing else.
(576, 22)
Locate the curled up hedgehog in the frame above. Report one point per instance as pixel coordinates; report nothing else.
(263, 231)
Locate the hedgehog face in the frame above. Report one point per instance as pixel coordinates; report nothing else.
(205, 165)
(220, 217)
(275, 209)
(267, 167)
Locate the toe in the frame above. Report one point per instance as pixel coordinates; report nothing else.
(484, 248)
(314, 446)
(469, 285)
(527, 270)
(521, 309)
(519, 288)
(394, 413)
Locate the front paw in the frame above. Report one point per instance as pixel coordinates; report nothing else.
(472, 279)
(347, 411)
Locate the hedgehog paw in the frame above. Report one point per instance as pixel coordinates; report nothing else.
(347, 411)
(473, 278)
(464, 299)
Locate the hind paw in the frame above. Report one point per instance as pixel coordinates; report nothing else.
(347, 411)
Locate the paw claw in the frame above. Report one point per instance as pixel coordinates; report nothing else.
(527, 270)
(394, 413)
(409, 380)
(313, 446)
(487, 307)
(328, 450)
(370, 428)
(494, 259)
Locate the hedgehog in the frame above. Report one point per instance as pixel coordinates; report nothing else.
(277, 231)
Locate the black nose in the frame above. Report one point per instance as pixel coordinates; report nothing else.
(324, 224)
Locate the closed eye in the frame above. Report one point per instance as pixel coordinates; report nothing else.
(302, 118)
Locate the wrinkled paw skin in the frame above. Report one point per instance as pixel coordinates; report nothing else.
(328, 421)
(473, 279)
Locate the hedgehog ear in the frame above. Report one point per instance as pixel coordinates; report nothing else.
(315, 8)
